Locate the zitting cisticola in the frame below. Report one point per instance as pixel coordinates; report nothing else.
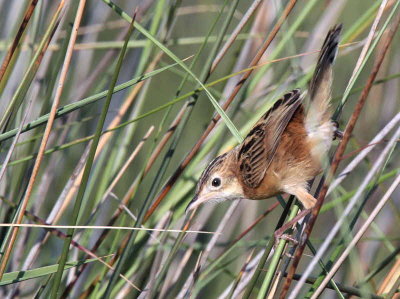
(284, 149)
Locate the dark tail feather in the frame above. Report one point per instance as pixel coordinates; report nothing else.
(318, 112)
(323, 71)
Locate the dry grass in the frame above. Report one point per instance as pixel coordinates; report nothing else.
(111, 184)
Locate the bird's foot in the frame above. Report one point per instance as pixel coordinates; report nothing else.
(280, 233)
(337, 134)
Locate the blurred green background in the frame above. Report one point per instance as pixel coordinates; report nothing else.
(162, 264)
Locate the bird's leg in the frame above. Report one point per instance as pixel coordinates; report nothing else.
(308, 202)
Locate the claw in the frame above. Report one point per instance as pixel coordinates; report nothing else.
(279, 235)
(337, 134)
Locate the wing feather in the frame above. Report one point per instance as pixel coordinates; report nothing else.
(258, 148)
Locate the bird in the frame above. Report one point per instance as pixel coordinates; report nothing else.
(285, 148)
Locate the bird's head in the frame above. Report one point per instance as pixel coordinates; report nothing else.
(218, 182)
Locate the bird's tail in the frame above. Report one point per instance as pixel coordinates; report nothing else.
(320, 87)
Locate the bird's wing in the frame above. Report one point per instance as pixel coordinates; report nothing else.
(258, 148)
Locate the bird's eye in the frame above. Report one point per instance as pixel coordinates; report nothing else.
(216, 182)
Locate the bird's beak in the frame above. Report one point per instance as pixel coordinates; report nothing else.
(197, 201)
(192, 204)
